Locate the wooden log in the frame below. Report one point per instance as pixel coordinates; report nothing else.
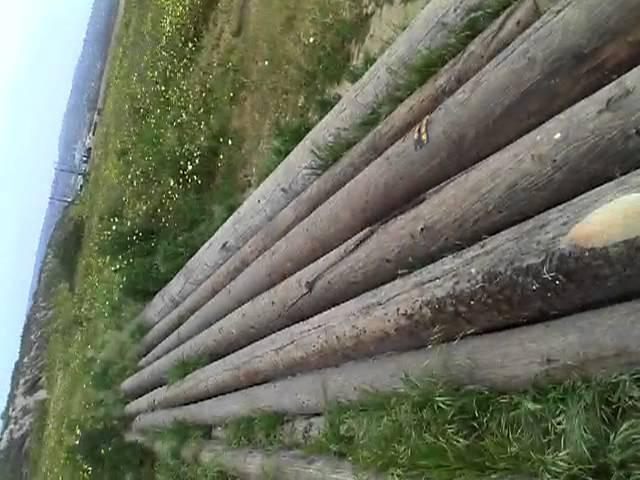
(587, 145)
(594, 343)
(260, 465)
(423, 102)
(526, 274)
(248, 463)
(571, 51)
(431, 28)
(252, 464)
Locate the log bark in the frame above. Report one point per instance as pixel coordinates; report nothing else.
(529, 273)
(155, 375)
(253, 464)
(583, 147)
(570, 52)
(588, 344)
(423, 102)
(431, 28)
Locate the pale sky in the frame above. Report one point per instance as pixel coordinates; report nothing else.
(40, 42)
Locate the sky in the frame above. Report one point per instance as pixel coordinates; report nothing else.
(40, 43)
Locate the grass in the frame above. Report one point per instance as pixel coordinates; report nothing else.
(185, 367)
(582, 429)
(428, 62)
(172, 465)
(261, 431)
(176, 469)
(194, 119)
(173, 439)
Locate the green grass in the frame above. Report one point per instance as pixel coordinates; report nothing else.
(261, 430)
(171, 464)
(328, 64)
(427, 63)
(173, 142)
(185, 367)
(173, 439)
(289, 132)
(582, 429)
(177, 469)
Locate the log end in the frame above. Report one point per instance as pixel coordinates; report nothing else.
(612, 223)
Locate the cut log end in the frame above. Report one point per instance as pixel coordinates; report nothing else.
(612, 223)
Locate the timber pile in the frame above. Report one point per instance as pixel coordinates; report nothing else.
(251, 464)
(423, 102)
(486, 233)
(430, 29)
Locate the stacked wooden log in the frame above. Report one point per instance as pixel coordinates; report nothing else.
(411, 111)
(487, 232)
(430, 29)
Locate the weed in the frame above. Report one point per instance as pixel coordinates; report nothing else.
(288, 133)
(67, 243)
(102, 450)
(356, 72)
(114, 358)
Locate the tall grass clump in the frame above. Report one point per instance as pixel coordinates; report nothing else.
(582, 429)
(262, 430)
